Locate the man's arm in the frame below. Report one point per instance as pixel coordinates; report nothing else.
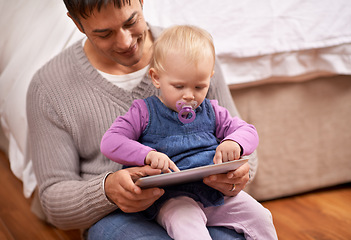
(69, 201)
(220, 91)
(73, 177)
(235, 129)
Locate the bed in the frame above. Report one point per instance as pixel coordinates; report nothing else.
(287, 63)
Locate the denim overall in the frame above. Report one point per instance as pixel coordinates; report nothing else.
(188, 145)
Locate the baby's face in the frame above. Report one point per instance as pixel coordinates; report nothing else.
(183, 81)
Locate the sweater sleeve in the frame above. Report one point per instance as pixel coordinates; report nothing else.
(220, 91)
(68, 200)
(228, 128)
(120, 143)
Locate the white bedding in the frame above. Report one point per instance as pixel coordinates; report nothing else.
(256, 40)
(31, 33)
(262, 39)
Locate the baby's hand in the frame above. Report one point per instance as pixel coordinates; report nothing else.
(160, 161)
(227, 151)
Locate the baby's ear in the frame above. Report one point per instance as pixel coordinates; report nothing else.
(155, 77)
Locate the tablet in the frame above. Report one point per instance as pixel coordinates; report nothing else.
(188, 175)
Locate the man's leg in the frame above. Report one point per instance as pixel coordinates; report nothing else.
(126, 226)
(223, 233)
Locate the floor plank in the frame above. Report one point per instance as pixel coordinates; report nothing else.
(16, 219)
(319, 215)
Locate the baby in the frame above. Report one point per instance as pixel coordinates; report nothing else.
(181, 129)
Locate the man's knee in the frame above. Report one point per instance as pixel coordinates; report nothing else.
(126, 226)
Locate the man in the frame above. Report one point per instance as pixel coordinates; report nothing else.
(74, 99)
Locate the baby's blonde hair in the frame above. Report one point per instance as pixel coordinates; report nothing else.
(192, 42)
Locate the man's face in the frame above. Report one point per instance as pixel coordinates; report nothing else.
(117, 35)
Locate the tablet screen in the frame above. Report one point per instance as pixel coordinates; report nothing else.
(189, 175)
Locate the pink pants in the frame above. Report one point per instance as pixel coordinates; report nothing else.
(184, 218)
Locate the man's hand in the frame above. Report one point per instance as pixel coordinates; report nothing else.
(120, 189)
(225, 182)
(161, 161)
(227, 151)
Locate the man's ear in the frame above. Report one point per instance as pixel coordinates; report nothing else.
(76, 22)
(155, 77)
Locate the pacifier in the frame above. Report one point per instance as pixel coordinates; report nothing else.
(186, 111)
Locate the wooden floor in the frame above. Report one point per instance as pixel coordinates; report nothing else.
(320, 215)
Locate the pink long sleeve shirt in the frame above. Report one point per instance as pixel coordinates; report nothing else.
(120, 142)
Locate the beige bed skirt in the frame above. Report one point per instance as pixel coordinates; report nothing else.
(305, 134)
